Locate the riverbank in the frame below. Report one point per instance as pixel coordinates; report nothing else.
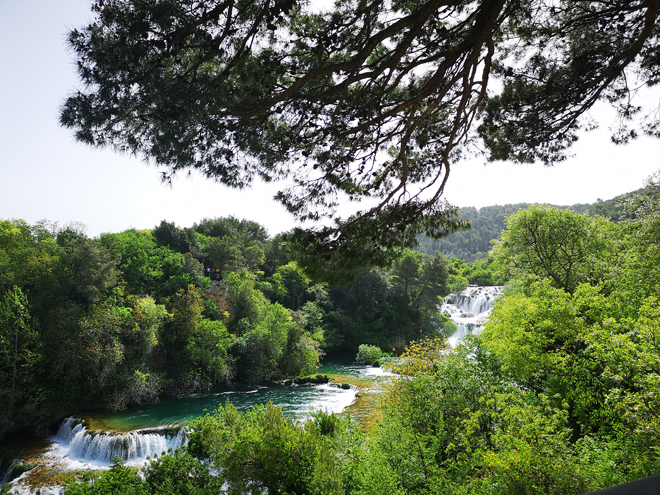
(56, 458)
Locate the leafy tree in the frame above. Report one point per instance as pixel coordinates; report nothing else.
(262, 345)
(143, 335)
(178, 240)
(368, 354)
(406, 270)
(269, 342)
(87, 269)
(378, 311)
(276, 253)
(209, 348)
(540, 335)
(558, 244)
(263, 451)
(150, 269)
(19, 354)
(119, 479)
(139, 263)
(223, 254)
(178, 472)
(186, 307)
(28, 260)
(229, 244)
(181, 473)
(246, 231)
(290, 285)
(433, 281)
(640, 241)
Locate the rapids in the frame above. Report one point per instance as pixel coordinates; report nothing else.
(141, 433)
(469, 310)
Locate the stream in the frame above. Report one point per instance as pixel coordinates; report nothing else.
(92, 440)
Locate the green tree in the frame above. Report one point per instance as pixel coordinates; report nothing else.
(140, 338)
(186, 308)
(223, 254)
(406, 270)
(630, 352)
(263, 451)
(19, 354)
(119, 479)
(88, 271)
(434, 279)
(291, 285)
(209, 347)
(150, 269)
(178, 240)
(234, 244)
(183, 474)
(561, 245)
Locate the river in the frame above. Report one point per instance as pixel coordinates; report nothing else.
(92, 440)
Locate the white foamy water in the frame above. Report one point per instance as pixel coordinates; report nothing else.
(469, 310)
(335, 399)
(374, 371)
(84, 449)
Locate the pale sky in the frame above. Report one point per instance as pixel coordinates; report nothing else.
(45, 174)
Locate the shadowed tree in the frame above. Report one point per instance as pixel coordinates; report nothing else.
(368, 100)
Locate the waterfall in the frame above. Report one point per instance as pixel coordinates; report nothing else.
(469, 310)
(75, 442)
(4, 475)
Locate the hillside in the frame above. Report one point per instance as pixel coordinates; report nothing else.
(487, 223)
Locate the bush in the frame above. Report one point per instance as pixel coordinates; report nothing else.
(368, 354)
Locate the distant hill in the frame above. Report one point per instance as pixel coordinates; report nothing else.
(487, 223)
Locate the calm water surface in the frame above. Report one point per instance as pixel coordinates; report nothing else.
(294, 400)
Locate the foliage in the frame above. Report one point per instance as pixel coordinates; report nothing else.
(558, 395)
(368, 354)
(359, 101)
(209, 349)
(118, 321)
(481, 272)
(474, 243)
(262, 451)
(487, 223)
(178, 240)
(555, 244)
(119, 479)
(177, 472)
(19, 355)
(383, 307)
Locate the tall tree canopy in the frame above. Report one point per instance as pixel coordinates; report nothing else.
(371, 99)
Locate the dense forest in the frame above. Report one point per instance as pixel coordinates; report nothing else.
(558, 395)
(486, 224)
(122, 319)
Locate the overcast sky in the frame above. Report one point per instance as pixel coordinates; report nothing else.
(45, 174)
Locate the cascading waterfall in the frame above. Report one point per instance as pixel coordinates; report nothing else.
(75, 442)
(5, 472)
(469, 310)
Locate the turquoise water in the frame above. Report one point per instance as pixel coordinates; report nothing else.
(294, 400)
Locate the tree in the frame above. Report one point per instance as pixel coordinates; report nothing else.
(406, 270)
(263, 451)
(208, 347)
(290, 285)
(19, 344)
(365, 100)
(561, 245)
(87, 269)
(178, 240)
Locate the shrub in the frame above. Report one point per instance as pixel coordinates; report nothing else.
(368, 354)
